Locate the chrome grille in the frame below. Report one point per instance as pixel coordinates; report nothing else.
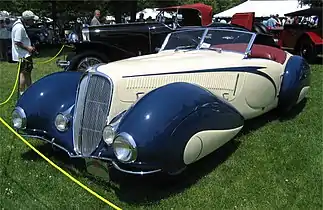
(91, 111)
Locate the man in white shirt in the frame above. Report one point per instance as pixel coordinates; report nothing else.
(22, 48)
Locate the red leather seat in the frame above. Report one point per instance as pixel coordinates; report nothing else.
(257, 51)
(268, 52)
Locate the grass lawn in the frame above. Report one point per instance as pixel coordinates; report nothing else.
(273, 164)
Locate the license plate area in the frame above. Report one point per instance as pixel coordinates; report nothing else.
(98, 168)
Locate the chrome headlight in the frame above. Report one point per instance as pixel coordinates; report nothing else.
(19, 119)
(108, 134)
(61, 122)
(124, 148)
(109, 130)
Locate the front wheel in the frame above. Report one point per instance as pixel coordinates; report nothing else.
(307, 49)
(83, 61)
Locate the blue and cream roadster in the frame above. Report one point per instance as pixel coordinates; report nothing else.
(164, 111)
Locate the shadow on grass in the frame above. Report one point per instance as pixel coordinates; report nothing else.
(145, 190)
(25, 190)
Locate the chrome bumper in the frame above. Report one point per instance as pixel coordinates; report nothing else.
(114, 164)
(62, 63)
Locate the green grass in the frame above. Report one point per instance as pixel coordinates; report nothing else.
(274, 164)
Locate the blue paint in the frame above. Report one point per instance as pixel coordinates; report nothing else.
(163, 120)
(46, 98)
(296, 76)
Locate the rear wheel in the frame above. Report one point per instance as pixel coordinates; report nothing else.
(85, 60)
(306, 49)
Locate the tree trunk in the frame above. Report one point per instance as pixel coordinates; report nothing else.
(133, 10)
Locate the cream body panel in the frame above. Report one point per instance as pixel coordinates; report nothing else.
(234, 87)
(205, 142)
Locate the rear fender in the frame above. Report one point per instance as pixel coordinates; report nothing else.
(46, 98)
(163, 121)
(296, 77)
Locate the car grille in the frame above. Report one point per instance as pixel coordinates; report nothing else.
(91, 112)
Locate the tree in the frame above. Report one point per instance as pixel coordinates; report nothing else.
(312, 3)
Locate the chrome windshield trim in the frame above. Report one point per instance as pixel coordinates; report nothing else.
(206, 30)
(250, 44)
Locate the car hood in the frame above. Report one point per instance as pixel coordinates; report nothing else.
(170, 61)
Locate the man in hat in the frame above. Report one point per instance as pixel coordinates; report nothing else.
(22, 48)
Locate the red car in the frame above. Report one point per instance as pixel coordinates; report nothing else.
(303, 38)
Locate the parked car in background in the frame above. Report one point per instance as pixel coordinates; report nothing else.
(164, 111)
(304, 39)
(107, 43)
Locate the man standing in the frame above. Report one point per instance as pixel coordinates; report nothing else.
(95, 20)
(22, 48)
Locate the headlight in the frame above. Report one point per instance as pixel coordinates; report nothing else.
(19, 119)
(125, 148)
(108, 134)
(61, 122)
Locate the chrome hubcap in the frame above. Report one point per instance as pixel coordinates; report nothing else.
(87, 62)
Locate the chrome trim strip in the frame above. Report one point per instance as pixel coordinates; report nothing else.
(94, 157)
(134, 172)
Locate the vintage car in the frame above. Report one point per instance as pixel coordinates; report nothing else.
(304, 39)
(108, 43)
(164, 111)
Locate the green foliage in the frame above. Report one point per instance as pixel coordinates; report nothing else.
(73, 9)
(313, 3)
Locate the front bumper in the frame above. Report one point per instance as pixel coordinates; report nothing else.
(62, 63)
(125, 168)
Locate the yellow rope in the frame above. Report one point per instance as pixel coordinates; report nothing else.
(38, 152)
(14, 86)
(59, 168)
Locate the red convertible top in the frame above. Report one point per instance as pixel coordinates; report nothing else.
(205, 10)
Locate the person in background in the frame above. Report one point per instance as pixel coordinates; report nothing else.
(2, 35)
(271, 22)
(22, 48)
(279, 23)
(141, 18)
(7, 37)
(95, 20)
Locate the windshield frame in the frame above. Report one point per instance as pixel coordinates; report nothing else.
(206, 30)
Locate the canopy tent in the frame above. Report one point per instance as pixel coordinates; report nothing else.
(264, 8)
(151, 12)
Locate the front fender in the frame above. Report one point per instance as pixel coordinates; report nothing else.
(164, 120)
(47, 97)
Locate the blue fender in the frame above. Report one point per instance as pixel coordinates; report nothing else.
(162, 122)
(42, 101)
(295, 77)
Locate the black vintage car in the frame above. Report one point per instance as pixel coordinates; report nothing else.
(107, 43)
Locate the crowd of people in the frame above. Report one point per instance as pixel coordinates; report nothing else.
(275, 21)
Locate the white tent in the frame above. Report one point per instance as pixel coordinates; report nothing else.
(264, 8)
(151, 13)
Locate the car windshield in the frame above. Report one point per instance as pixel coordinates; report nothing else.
(212, 39)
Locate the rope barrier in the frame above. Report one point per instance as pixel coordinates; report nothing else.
(38, 152)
